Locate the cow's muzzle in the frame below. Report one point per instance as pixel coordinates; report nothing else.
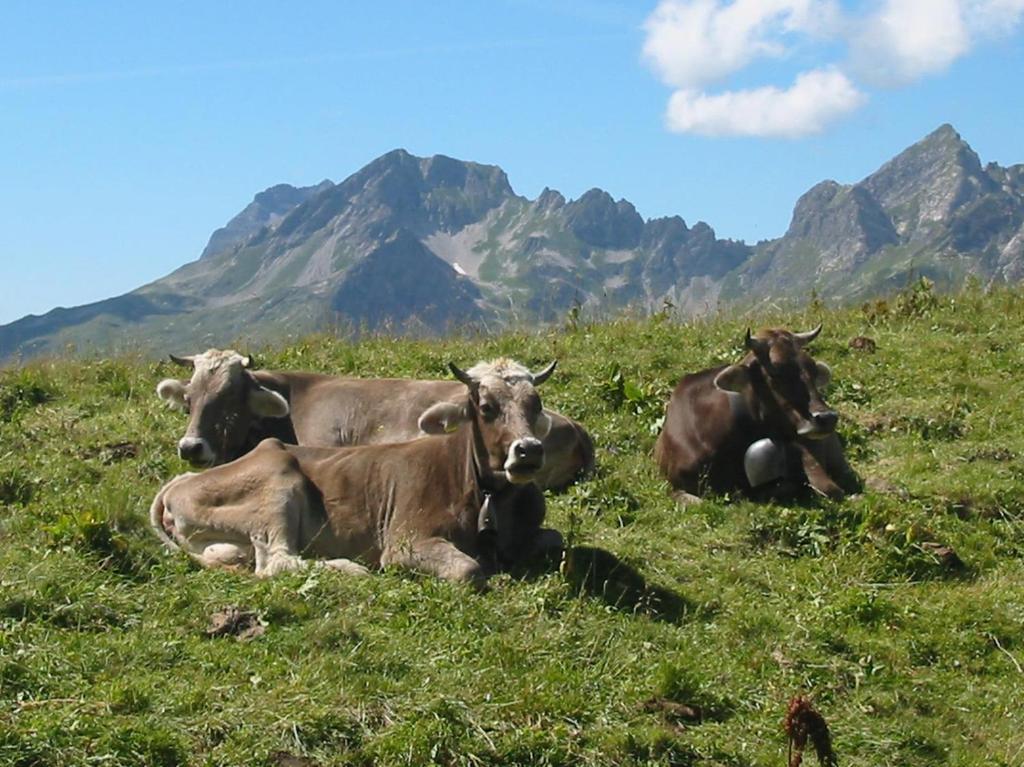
(525, 459)
(820, 424)
(196, 451)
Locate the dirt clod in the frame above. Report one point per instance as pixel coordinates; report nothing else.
(234, 621)
(947, 557)
(864, 344)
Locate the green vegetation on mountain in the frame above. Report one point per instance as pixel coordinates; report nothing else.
(898, 611)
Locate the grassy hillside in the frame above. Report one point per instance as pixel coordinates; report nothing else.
(913, 655)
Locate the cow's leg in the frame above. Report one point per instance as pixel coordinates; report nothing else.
(546, 542)
(817, 476)
(272, 560)
(834, 460)
(436, 556)
(274, 555)
(276, 542)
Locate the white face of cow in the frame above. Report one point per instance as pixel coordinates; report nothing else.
(222, 398)
(504, 402)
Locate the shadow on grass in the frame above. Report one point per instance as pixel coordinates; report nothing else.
(600, 574)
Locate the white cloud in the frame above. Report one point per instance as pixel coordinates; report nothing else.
(907, 39)
(993, 18)
(695, 44)
(816, 100)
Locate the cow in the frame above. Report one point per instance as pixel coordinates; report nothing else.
(760, 427)
(425, 504)
(233, 407)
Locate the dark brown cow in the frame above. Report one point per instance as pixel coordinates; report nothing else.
(418, 504)
(232, 408)
(761, 424)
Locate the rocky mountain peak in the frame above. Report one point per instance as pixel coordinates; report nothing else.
(549, 200)
(428, 193)
(267, 209)
(600, 221)
(926, 182)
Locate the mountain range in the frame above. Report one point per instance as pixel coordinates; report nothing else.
(431, 245)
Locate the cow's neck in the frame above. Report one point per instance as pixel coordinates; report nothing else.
(484, 478)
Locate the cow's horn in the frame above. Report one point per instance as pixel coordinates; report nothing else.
(545, 374)
(189, 361)
(805, 338)
(247, 361)
(461, 374)
(754, 344)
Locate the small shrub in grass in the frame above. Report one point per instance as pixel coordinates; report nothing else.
(865, 606)
(127, 698)
(330, 732)
(681, 684)
(644, 745)
(16, 679)
(23, 389)
(16, 486)
(806, 531)
(53, 604)
(148, 744)
(92, 531)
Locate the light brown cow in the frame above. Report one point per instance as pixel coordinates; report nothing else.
(422, 504)
(232, 408)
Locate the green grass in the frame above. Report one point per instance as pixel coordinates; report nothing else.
(104, 657)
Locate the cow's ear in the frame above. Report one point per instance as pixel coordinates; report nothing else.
(172, 391)
(267, 403)
(443, 418)
(734, 378)
(823, 375)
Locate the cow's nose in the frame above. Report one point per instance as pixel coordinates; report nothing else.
(191, 449)
(826, 420)
(528, 450)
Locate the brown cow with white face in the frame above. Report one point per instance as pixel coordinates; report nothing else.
(762, 421)
(418, 504)
(233, 407)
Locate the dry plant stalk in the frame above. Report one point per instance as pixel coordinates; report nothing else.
(803, 722)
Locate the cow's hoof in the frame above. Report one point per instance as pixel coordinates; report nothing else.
(472, 574)
(685, 499)
(346, 566)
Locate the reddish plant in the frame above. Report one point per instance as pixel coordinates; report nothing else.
(802, 722)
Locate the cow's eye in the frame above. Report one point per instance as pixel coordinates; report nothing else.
(487, 410)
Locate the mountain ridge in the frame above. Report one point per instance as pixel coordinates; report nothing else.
(428, 244)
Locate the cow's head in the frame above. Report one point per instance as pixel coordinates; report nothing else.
(504, 404)
(783, 381)
(222, 399)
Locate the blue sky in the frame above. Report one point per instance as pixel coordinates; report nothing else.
(130, 131)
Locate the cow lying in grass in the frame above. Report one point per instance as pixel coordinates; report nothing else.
(421, 504)
(232, 408)
(759, 427)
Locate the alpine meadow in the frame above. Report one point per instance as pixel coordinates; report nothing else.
(585, 383)
(666, 635)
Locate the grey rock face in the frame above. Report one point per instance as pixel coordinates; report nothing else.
(266, 210)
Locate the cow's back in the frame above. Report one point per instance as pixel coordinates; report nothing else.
(701, 436)
(334, 411)
(342, 411)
